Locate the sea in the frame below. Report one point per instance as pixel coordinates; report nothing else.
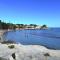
(50, 38)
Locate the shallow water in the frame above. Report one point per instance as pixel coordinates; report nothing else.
(49, 38)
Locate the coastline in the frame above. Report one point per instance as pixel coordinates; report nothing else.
(27, 52)
(2, 32)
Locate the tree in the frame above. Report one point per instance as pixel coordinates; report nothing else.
(3, 25)
(21, 25)
(43, 26)
(35, 25)
(14, 26)
(0, 25)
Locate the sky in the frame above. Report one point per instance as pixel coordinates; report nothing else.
(31, 12)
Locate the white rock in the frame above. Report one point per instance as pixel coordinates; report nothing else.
(28, 52)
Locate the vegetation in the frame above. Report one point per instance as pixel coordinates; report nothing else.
(46, 56)
(4, 25)
(43, 27)
(8, 42)
(11, 46)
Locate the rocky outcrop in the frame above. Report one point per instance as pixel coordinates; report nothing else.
(13, 55)
(1, 35)
(27, 52)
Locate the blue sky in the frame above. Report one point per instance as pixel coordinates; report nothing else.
(31, 12)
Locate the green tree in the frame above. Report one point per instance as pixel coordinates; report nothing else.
(21, 25)
(0, 24)
(33, 25)
(43, 26)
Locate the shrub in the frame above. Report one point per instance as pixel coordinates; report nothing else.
(8, 42)
(11, 46)
(46, 54)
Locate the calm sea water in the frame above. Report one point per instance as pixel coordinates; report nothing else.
(49, 38)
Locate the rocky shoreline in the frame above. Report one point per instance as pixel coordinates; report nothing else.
(2, 35)
(26, 52)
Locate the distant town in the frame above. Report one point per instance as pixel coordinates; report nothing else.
(4, 25)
